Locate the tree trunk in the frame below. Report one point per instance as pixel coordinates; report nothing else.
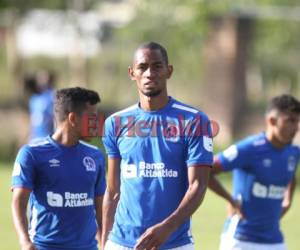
(225, 73)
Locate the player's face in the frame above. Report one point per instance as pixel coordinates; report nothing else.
(286, 127)
(150, 72)
(84, 126)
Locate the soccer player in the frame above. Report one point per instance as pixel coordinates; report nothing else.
(158, 162)
(64, 180)
(41, 88)
(263, 168)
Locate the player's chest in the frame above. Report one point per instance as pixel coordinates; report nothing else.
(151, 135)
(151, 145)
(70, 171)
(274, 169)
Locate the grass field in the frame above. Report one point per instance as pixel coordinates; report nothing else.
(207, 222)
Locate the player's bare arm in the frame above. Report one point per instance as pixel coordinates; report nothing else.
(19, 206)
(155, 236)
(215, 185)
(111, 197)
(98, 210)
(288, 196)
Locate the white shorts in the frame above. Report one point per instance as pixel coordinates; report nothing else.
(229, 243)
(113, 246)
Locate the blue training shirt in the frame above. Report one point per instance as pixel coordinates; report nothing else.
(64, 182)
(261, 174)
(155, 148)
(41, 114)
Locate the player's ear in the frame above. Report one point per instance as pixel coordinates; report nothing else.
(72, 119)
(131, 73)
(273, 120)
(170, 70)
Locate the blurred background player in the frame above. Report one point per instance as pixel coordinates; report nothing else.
(157, 177)
(264, 167)
(40, 87)
(64, 179)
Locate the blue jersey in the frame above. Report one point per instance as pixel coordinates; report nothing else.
(155, 148)
(41, 114)
(260, 177)
(64, 182)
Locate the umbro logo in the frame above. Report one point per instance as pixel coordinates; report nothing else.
(267, 163)
(54, 163)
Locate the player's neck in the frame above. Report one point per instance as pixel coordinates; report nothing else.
(64, 136)
(153, 103)
(274, 140)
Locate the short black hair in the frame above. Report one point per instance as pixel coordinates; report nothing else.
(69, 100)
(155, 46)
(284, 103)
(30, 84)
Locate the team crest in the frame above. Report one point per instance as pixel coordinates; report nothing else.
(171, 133)
(89, 164)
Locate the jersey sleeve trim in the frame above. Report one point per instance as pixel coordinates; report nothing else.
(200, 165)
(21, 186)
(218, 162)
(114, 156)
(100, 193)
(196, 163)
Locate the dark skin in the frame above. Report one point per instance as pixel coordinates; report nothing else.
(150, 72)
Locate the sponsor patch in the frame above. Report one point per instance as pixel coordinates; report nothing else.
(231, 153)
(208, 143)
(16, 169)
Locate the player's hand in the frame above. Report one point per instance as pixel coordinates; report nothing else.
(234, 208)
(28, 245)
(285, 207)
(154, 237)
(103, 241)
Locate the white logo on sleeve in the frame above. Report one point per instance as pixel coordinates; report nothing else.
(17, 169)
(89, 163)
(231, 153)
(129, 171)
(208, 143)
(54, 163)
(267, 163)
(291, 163)
(54, 200)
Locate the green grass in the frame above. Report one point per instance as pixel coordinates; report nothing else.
(207, 221)
(7, 235)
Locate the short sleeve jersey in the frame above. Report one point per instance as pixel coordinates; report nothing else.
(41, 114)
(64, 182)
(155, 149)
(261, 174)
